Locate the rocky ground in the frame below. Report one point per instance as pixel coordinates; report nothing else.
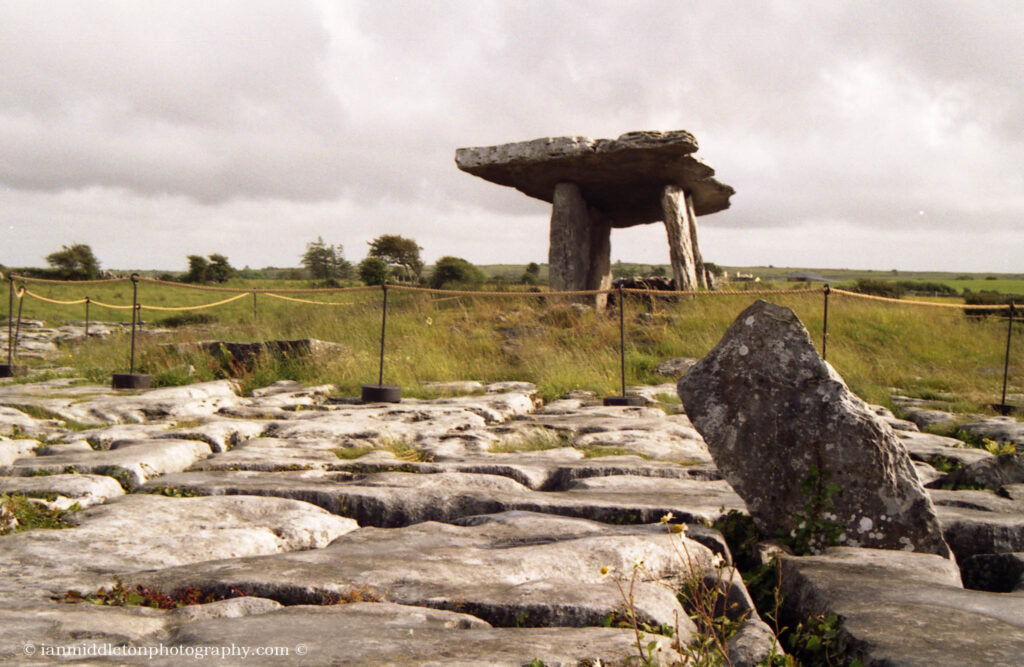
(464, 530)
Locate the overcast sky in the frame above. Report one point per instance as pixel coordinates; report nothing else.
(859, 134)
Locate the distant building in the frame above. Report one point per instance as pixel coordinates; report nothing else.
(744, 277)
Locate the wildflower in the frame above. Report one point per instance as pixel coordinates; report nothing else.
(668, 517)
(679, 528)
(430, 322)
(717, 561)
(605, 570)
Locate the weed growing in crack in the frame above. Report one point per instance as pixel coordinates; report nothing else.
(402, 449)
(703, 593)
(817, 528)
(537, 440)
(120, 595)
(19, 512)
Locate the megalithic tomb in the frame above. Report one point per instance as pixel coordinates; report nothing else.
(596, 184)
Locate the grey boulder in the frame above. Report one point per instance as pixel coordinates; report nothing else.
(792, 439)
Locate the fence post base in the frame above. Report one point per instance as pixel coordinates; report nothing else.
(131, 381)
(12, 370)
(381, 393)
(630, 401)
(1004, 408)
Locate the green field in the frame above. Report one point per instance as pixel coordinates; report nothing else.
(879, 348)
(1006, 283)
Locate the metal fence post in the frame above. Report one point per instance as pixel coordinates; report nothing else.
(383, 331)
(1003, 407)
(10, 322)
(17, 330)
(623, 399)
(380, 392)
(132, 380)
(135, 312)
(824, 332)
(87, 318)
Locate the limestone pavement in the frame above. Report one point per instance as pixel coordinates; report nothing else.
(473, 529)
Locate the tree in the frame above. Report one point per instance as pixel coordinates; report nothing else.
(457, 271)
(325, 261)
(74, 262)
(373, 271)
(531, 276)
(197, 269)
(220, 270)
(398, 250)
(214, 268)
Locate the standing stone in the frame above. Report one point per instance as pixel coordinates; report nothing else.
(773, 412)
(698, 259)
(569, 249)
(680, 238)
(599, 272)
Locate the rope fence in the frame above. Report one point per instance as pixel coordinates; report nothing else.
(286, 295)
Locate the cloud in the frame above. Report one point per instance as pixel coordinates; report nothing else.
(210, 100)
(341, 119)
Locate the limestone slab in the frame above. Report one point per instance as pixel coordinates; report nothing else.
(143, 531)
(12, 450)
(929, 447)
(391, 634)
(1000, 429)
(392, 499)
(86, 490)
(508, 569)
(622, 177)
(133, 463)
(903, 608)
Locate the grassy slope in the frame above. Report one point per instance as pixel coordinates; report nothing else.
(876, 346)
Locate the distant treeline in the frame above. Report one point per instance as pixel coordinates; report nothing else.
(896, 289)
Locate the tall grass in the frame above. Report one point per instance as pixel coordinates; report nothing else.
(878, 347)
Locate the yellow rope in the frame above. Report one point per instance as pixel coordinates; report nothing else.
(630, 290)
(70, 282)
(201, 307)
(207, 288)
(53, 301)
(315, 303)
(109, 305)
(449, 292)
(961, 306)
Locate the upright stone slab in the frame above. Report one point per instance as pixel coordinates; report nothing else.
(569, 249)
(773, 412)
(680, 237)
(599, 271)
(703, 275)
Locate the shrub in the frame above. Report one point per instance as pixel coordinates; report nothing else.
(455, 271)
(886, 288)
(373, 271)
